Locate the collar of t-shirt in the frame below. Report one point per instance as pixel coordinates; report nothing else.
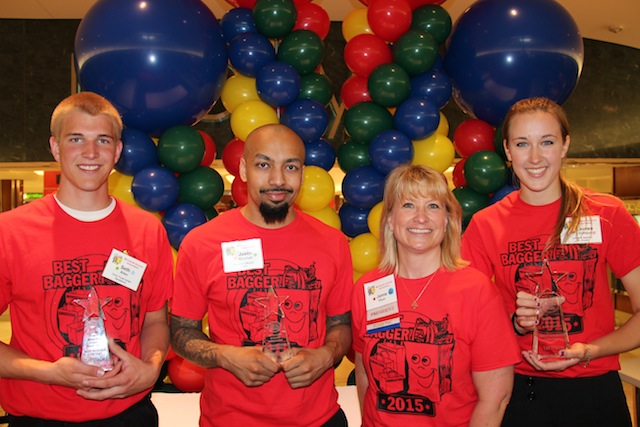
(87, 216)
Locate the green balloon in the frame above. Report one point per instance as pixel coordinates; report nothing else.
(498, 139)
(315, 86)
(180, 148)
(415, 51)
(485, 171)
(352, 154)
(302, 49)
(274, 19)
(364, 120)
(202, 187)
(434, 19)
(471, 202)
(389, 84)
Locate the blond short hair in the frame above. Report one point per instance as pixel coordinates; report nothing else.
(90, 103)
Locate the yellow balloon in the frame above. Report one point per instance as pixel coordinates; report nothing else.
(328, 215)
(317, 189)
(356, 276)
(373, 219)
(443, 126)
(436, 151)
(251, 115)
(355, 23)
(364, 252)
(120, 187)
(238, 89)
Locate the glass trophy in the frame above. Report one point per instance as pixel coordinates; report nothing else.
(95, 345)
(550, 335)
(275, 342)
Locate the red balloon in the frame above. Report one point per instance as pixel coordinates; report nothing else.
(231, 155)
(209, 149)
(473, 135)
(355, 90)
(242, 3)
(458, 174)
(313, 18)
(365, 52)
(389, 19)
(239, 192)
(186, 376)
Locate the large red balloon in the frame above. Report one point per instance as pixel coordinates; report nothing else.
(473, 135)
(239, 192)
(231, 155)
(209, 149)
(313, 18)
(355, 90)
(365, 52)
(186, 376)
(389, 19)
(458, 173)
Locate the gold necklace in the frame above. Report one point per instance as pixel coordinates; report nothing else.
(414, 304)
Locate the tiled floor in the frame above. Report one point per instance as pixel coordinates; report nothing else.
(345, 367)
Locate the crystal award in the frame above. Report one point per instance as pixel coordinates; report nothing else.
(550, 335)
(95, 346)
(275, 342)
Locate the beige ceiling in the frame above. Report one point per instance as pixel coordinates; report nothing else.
(614, 21)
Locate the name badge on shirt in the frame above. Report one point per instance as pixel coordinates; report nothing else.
(381, 301)
(124, 269)
(588, 231)
(242, 255)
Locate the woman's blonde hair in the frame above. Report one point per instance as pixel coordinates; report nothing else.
(573, 196)
(410, 181)
(90, 103)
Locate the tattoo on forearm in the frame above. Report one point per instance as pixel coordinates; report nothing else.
(189, 341)
(340, 319)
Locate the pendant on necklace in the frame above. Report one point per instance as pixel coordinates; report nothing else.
(414, 304)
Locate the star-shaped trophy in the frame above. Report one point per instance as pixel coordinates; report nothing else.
(275, 342)
(95, 346)
(550, 335)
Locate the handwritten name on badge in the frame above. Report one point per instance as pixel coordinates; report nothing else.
(588, 231)
(241, 255)
(381, 301)
(124, 269)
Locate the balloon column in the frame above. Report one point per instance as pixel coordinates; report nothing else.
(393, 100)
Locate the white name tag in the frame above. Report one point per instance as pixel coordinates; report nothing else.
(381, 301)
(588, 231)
(242, 255)
(124, 269)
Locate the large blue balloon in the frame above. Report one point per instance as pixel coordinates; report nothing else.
(502, 51)
(181, 219)
(353, 221)
(155, 188)
(320, 153)
(434, 85)
(417, 118)
(249, 52)
(307, 117)
(160, 62)
(363, 187)
(278, 84)
(138, 152)
(390, 149)
(237, 21)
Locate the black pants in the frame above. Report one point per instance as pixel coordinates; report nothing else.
(568, 402)
(338, 420)
(142, 414)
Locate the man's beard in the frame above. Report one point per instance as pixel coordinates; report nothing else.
(274, 214)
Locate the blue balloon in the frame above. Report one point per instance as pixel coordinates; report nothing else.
(138, 152)
(389, 149)
(434, 85)
(501, 193)
(160, 65)
(320, 153)
(353, 220)
(181, 219)
(306, 117)
(236, 21)
(417, 118)
(278, 84)
(363, 187)
(501, 52)
(155, 188)
(249, 52)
